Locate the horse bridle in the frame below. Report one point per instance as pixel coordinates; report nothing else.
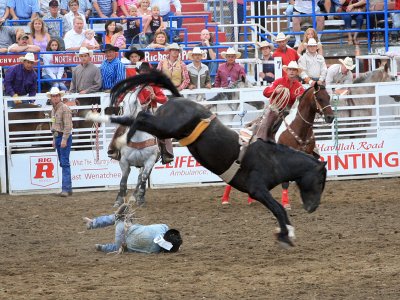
(320, 109)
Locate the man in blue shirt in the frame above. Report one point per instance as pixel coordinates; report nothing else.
(23, 9)
(130, 237)
(112, 69)
(105, 8)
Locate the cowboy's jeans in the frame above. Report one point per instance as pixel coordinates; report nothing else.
(109, 220)
(63, 157)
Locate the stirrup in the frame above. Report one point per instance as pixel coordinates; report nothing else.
(114, 155)
(166, 159)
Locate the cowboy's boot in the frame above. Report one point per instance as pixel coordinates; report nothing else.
(265, 128)
(167, 152)
(113, 152)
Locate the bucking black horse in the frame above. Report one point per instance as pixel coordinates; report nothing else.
(255, 170)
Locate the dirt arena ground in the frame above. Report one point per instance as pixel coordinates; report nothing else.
(348, 249)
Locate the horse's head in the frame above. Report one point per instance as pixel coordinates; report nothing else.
(322, 101)
(242, 82)
(311, 186)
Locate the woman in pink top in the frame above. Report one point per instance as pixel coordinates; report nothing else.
(123, 7)
(39, 35)
(144, 12)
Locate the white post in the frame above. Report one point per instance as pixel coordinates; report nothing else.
(3, 173)
(235, 21)
(278, 67)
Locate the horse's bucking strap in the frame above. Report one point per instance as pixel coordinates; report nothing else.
(203, 124)
(143, 144)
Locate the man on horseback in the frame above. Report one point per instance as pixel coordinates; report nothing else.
(282, 94)
(149, 96)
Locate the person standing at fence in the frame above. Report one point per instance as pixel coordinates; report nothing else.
(231, 71)
(340, 74)
(86, 77)
(112, 69)
(135, 57)
(21, 79)
(284, 51)
(61, 127)
(198, 72)
(267, 74)
(174, 67)
(313, 65)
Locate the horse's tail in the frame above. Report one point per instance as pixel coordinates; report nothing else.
(153, 77)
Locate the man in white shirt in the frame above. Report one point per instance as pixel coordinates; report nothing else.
(340, 73)
(313, 64)
(73, 39)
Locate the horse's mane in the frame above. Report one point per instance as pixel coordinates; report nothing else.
(153, 77)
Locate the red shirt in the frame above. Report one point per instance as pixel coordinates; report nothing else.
(145, 93)
(130, 72)
(295, 88)
(287, 56)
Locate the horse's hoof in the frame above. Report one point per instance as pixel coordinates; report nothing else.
(225, 203)
(287, 207)
(284, 241)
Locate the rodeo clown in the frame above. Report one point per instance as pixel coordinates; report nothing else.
(282, 94)
(133, 237)
(148, 96)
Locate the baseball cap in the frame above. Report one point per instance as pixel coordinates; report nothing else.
(53, 3)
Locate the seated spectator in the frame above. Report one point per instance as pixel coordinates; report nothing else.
(310, 33)
(396, 21)
(174, 67)
(8, 36)
(155, 23)
(55, 73)
(284, 51)
(160, 41)
(39, 35)
(302, 7)
(353, 6)
(268, 68)
(165, 11)
(23, 9)
(73, 12)
(124, 7)
(74, 38)
(207, 41)
(231, 71)
(43, 7)
(4, 11)
(21, 79)
(144, 11)
(132, 26)
(54, 28)
(313, 64)
(90, 42)
(104, 8)
(332, 6)
(110, 29)
(86, 77)
(198, 73)
(340, 74)
(118, 39)
(112, 69)
(22, 44)
(135, 57)
(85, 7)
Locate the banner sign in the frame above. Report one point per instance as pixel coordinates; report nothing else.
(361, 156)
(71, 58)
(156, 56)
(12, 59)
(43, 171)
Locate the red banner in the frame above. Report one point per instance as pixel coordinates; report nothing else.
(70, 58)
(11, 59)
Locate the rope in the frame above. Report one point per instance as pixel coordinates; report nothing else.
(335, 101)
(281, 98)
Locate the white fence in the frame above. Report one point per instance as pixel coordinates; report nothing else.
(353, 147)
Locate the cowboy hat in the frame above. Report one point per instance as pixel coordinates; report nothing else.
(230, 51)
(54, 91)
(281, 37)
(312, 42)
(84, 50)
(134, 50)
(109, 47)
(23, 36)
(265, 44)
(29, 57)
(197, 50)
(348, 63)
(173, 46)
(292, 65)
